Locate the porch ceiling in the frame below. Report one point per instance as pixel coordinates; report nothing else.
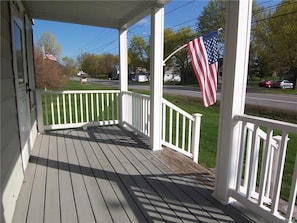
(109, 14)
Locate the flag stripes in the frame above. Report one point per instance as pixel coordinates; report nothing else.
(204, 56)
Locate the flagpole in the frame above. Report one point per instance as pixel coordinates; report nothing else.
(180, 48)
(174, 52)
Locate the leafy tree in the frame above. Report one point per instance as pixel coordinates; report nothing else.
(139, 52)
(212, 17)
(282, 35)
(69, 67)
(108, 64)
(260, 48)
(98, 65)
(90, 64)
(173, 41)
(49, 43)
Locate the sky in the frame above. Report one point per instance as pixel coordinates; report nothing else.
(77, 39)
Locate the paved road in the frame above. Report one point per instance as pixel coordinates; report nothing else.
(254, 96)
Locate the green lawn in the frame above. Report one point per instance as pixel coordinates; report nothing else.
(210, 124)
(75, 85)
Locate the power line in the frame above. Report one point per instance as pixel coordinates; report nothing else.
(185, 22)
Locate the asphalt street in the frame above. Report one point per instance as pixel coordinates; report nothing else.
(254, 96)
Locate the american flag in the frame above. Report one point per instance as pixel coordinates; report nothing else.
(204, 56)
(50, 56)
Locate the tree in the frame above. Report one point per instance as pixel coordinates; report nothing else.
(259, 52)
(282, 35)
(173, 41)
(90, 64)
(48, 73)
(98, 65)
(48, 44)
(108, 64)
(212, 17)
(139, 52)
(69, 67)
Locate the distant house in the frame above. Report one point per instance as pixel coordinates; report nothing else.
(172, 74)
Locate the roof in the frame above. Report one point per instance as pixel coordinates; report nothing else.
(109, 14)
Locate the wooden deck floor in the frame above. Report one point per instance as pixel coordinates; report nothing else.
(108, 174)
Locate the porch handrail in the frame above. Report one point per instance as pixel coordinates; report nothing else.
(269, 137)
(137, 112)
(180, 130)
(82, 108)
(76, 108)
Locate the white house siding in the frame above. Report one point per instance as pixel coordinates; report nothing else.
(11, 162)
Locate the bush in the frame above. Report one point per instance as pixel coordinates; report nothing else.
(48, 73)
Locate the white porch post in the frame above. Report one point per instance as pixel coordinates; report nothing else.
(156, 70)
(123, 42)
(237, 41)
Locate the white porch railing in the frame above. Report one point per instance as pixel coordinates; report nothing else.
(261, 166)
(71, 109)
(180, 130)
(137, 108)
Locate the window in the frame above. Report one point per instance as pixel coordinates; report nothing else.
(19, 53)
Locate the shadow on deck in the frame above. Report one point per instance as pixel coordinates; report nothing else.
(109, 174)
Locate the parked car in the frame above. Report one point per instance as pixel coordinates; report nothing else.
(282, 84)
(266, 83)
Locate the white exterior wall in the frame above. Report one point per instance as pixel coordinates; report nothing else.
(11, 162)
(12, 173)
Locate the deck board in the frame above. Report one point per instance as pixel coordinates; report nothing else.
(109, 174)
(24, 197)
(117, 174)
(173, 206)
(81, 196)
(148, 164)
(36, 205)
(67, 203)
(52, 198)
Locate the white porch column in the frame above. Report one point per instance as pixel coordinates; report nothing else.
(123, 43)
(235, 67)
(156, 73)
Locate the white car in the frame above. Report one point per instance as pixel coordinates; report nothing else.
(283, 84)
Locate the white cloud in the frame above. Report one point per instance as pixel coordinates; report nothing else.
(144, 21)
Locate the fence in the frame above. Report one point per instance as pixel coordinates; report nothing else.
(180, 130)
(261, 165)
(71, 109)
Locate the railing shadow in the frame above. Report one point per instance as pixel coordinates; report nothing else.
(93, 136)
(166, 197)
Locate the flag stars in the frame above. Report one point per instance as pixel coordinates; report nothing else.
(211, 49)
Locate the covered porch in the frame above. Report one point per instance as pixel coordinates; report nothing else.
(109, 174)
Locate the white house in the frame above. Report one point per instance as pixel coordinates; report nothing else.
(18, 104)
